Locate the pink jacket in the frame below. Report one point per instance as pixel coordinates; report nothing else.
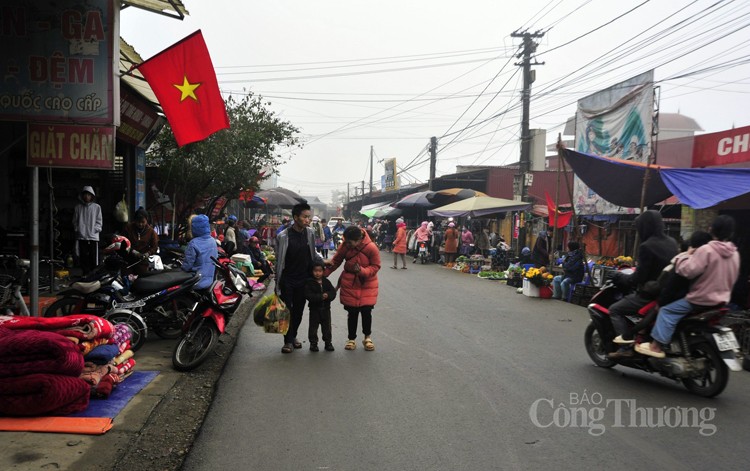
(714, 267)
(467, 238)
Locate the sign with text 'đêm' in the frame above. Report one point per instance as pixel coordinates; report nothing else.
(71, 146)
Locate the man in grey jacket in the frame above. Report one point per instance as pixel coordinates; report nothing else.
(295, 253)
(87, 224)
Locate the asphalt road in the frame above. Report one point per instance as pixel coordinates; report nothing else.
(467, 374)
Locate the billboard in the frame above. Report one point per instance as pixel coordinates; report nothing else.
(721, 148)
(391, 175)
(615, 122)
(58, 61)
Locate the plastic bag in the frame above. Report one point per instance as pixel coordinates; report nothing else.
(121, 210)
(272, 314)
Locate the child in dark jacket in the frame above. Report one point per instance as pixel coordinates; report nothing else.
(319, 293)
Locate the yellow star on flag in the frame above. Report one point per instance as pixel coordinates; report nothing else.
(187, 89)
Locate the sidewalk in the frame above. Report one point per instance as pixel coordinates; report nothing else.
(154, 431)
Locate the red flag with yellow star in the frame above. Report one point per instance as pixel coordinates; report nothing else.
(183, 79)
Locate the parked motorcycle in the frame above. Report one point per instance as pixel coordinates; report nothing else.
(212, 310)
(700, 355)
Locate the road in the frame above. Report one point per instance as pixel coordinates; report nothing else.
(467, 374)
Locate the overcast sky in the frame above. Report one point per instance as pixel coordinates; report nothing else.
(352, 74)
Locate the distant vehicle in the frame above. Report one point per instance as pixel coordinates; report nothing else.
(332, 222)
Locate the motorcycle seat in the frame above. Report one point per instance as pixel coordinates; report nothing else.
(160, 281)
(86, 287)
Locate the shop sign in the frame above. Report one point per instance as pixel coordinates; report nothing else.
(140, 178)
(58, 61)
(139, 123)
(71, 146)
(721, 148)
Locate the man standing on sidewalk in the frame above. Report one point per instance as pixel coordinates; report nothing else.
(87, 224)
(295, 253)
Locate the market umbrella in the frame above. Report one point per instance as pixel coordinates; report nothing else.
(451, 195)
(281, 199)
(414, 201)
(377, 210)
(478, 206)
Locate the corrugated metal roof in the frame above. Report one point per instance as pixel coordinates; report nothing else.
(128, 58)
(171, 8)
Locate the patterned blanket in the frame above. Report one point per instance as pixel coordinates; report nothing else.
(81, 326)
(43, 394)
(25, 352)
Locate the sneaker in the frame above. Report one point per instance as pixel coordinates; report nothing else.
(314, 347)
(645, 349)
(622, 341)
(329, 347)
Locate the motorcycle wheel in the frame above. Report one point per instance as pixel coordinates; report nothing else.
(194, 348)
(715, 378)
(138, 329)
(177, 313)
(62, 307)
(595, 347)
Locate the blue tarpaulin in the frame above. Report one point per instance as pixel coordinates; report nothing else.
(621, 181)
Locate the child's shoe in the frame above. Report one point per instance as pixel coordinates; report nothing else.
(314, 347)
(329, 347)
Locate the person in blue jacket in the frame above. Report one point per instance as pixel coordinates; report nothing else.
(199, 251)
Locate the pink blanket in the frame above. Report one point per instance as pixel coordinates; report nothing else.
(82, 326)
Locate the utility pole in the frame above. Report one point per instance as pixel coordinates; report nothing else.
(371, 155)
(524, 177)
(363, 190)
(348, 191)
(529, 47)
(433, 160)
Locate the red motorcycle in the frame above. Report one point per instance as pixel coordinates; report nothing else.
(212, 311)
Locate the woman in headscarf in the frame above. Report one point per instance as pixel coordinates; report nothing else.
(422, 234)
(399, 244)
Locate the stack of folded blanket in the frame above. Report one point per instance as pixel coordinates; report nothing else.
(51, 366)
(39, 374)
(109, 364)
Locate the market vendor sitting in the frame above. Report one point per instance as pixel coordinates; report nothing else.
(573, 271)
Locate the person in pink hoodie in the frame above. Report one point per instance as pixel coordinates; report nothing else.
(713, 269)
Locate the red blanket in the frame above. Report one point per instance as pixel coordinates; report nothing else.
(43, 394)
(82, 326)
(25, 352)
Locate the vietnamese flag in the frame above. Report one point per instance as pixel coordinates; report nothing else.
(183, 79)
(556, 218)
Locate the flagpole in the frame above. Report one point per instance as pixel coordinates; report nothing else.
(557, 200)
(573, 207)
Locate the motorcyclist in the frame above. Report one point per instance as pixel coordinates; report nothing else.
(422, 234)
(654, 253)
(713, 269)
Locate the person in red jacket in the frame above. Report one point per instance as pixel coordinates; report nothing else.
(359, 282)
(399, 244)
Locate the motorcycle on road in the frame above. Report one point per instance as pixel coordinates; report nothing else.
(700, 355)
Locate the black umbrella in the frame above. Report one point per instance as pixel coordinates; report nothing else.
(451, 195)
(278, 197)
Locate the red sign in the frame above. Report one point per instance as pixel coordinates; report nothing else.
(63, 145)
(721, 148)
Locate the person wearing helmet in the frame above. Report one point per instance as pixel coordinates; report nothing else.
(199, 251)
(87, 224)
(143, 241)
